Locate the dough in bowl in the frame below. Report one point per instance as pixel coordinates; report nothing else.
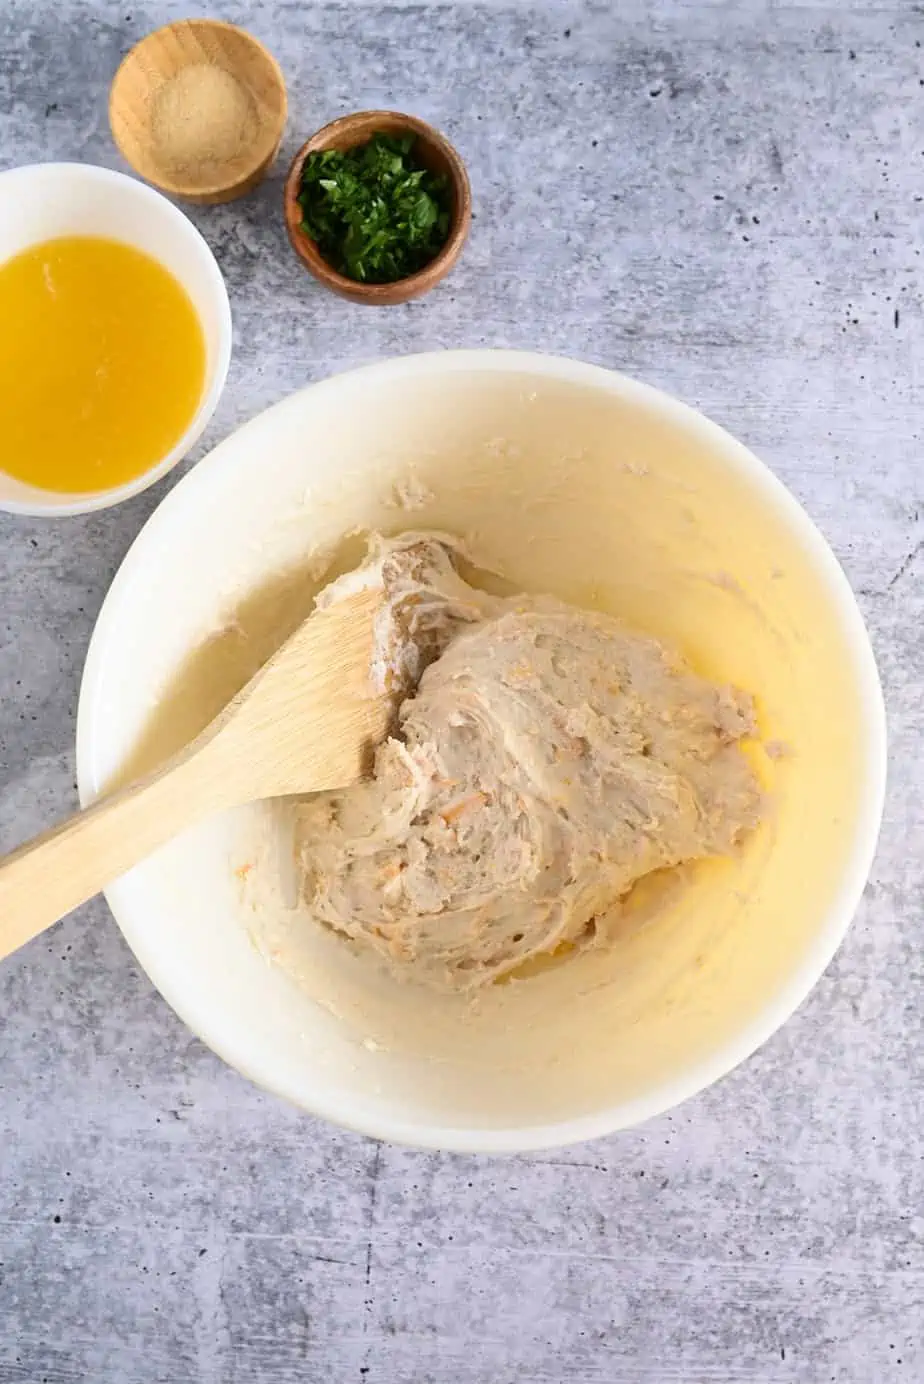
(545, 759)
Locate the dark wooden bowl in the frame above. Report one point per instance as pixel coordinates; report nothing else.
(435, 152)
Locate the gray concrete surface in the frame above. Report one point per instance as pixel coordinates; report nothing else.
(725, 200)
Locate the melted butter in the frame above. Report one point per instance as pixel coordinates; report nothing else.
(102, 364)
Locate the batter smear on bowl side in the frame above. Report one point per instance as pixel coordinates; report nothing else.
(545, 758)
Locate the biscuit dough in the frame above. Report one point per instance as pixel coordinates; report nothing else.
(545, 759)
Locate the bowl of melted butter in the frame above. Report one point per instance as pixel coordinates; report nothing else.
(115, 338)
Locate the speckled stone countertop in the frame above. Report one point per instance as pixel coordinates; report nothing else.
(726, 200)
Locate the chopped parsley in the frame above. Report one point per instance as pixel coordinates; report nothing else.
(375, 213)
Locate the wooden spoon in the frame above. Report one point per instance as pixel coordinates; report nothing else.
(308, 721)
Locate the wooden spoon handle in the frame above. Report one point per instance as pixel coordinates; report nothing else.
(47, 877)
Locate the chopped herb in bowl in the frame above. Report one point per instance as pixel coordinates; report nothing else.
(375, 212)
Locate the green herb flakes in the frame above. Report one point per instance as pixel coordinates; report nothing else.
(375, 214)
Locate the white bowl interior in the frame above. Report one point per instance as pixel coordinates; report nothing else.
(44, 201)
(567, 479)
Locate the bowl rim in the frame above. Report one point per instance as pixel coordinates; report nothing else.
(777, 1010)
(412, 285)
(263, 155)
(89, 502)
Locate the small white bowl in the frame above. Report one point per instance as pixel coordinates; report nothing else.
(569, 479)
(45, 200)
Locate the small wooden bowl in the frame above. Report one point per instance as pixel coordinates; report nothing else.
(162, 55)
(435, 152)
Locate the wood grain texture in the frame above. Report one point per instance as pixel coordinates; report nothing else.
(434, 151)
(308, 721)
(160, 56)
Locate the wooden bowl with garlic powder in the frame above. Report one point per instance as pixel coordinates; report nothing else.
(198, 108)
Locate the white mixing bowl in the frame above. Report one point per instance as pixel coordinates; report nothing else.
(45, 200)
(568, 479)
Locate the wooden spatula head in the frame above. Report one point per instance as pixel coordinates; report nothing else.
(308, 721)
(311, 718)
